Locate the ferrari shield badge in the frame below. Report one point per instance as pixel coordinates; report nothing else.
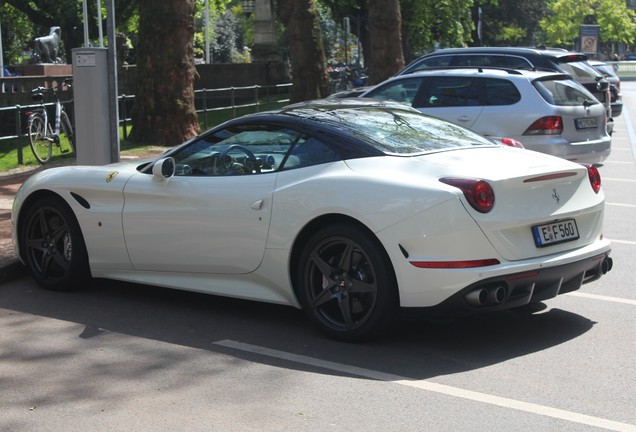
(111, 175)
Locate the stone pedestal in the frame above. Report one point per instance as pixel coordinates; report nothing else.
(265, 46)
(45, 69)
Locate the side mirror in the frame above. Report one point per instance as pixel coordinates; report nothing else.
(163, 168)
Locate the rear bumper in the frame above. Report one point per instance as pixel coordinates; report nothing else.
(519, 289)
(581, 152)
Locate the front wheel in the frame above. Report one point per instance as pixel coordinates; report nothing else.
(41, 145)
(52, 245)
(346, 283)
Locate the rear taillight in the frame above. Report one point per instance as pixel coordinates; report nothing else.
(595, 177)
(511, 143)
(479, 193)
(551, 125)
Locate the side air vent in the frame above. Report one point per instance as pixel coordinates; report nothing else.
(81, 200)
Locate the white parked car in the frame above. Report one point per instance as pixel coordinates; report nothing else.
(349, 209)
(545, 111)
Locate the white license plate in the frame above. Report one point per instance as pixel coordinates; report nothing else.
(556, 232)
(585, 123)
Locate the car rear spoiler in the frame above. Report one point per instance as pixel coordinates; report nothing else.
(567, 58)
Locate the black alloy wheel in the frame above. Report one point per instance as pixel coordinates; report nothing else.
(346, 283)
(52, 246)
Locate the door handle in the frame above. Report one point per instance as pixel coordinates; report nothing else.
(257, 205)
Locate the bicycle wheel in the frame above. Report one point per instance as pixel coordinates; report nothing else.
(67, 138)
(40, 146)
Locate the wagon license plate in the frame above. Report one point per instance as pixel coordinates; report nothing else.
(585, 123)
(556, 232)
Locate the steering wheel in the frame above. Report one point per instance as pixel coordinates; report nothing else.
(255, 167)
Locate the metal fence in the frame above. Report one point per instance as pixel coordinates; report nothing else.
(230, 99)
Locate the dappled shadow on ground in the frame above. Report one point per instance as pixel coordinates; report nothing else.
(418, 349)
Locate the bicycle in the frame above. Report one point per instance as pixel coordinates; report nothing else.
(42, 135)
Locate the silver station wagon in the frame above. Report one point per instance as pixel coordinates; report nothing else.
(547, 112)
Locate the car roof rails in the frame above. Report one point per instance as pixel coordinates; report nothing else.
(480, 69)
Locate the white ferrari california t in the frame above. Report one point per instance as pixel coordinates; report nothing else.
(353, 210)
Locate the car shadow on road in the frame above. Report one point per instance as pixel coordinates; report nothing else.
(417, 349)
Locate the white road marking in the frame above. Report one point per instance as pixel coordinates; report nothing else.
(620, 204)
(630, 131)
(619, 179)
(604, 298)
(618, 162)
(628, 242)
(434, 387)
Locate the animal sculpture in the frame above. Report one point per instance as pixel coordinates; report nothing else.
(47, 47)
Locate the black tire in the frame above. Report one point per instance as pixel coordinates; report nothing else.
(52, 246)
(346, 284)
(67, 138)
(40, 146)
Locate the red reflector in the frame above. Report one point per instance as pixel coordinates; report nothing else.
(511, 143)
(550, 125)
(455, 264)
(523, 275)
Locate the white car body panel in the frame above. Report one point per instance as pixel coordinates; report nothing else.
(214, 225)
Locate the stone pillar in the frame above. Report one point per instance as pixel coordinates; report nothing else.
(265, 46)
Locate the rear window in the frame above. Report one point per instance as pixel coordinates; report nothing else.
(579, 70)
(564, 92)
(403, 132)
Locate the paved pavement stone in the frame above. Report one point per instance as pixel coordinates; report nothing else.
(10, 267)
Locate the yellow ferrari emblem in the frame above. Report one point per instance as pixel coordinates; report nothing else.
(111, 175)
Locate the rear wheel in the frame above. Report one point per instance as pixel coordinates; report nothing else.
(346, 283)
(52, 246)
(67, 139)
(40, 145)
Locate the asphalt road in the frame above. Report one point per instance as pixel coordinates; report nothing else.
(121, 357)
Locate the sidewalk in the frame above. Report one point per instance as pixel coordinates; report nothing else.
(10, 267)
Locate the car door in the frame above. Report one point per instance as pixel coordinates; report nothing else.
(503, 114)
(213, 215)
(451, 98)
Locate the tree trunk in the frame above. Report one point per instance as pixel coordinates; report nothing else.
(308, 62)
(164, 111)
(385, 57)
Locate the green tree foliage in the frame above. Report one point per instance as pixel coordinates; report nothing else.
(67, 14)
(564, 17)
(229, 39)
(448, 23)
(424, 23)
(511, 22)
(16, 28)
